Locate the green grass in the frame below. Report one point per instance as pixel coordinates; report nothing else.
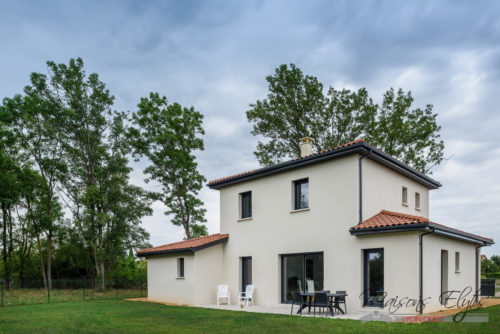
(117, 316)
(20, 296)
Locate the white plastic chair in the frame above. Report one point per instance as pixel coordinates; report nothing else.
(310, 286)
(223, 292)
(247, 295)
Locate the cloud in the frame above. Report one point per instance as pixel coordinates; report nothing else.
(215, 55)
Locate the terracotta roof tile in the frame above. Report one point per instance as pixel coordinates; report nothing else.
(188, 245)
(389, 218)
(311, 155)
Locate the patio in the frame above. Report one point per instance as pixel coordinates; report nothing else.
(283, 309)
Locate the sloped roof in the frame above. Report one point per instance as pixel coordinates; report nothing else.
(185, 246)
(357, 146)
(389, 221)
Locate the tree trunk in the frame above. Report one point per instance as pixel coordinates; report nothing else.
(4, 245)
(101, 255)
(49, 260)
(42, 262)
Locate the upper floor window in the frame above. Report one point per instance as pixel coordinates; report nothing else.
(246, 205)
(180, 267)
(301, 194)
(417, 201)
(404, 196)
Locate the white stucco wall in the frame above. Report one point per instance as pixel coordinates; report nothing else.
(202, 273)
(208, 264)
(433, 244)
(163, 283)
(275, 230)
(382, 190)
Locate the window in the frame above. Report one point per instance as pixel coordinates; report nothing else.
(180, 267)
(417, 201)
(404, 198)
(457, 262)
(301, 272)
(373, 277)
(301, 194)
(246, 205)
(246, 272)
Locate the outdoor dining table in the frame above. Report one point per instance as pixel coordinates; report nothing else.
(331, 296)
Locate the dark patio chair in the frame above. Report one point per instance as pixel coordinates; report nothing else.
(341, 300)
(297, 300)
(321, 301)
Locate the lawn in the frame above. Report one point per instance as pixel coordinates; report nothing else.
(19, 296)
(118, 316)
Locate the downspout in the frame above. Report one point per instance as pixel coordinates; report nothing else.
(477, 273)
(361, 185)
(421, 269)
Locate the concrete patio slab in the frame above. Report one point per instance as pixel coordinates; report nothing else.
(283, 309)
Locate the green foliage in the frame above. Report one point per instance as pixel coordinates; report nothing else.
(490, 267)
(64, 150)
(296, 107)
(291, 111)
(168, 134)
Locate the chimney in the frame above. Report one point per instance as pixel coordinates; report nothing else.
(305, 146)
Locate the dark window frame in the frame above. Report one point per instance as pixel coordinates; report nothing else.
(304, 283)
(245, 208)
(180, 268)
(366, 253)
(297, 192)
(246, 278)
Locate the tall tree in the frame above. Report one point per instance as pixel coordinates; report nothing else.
(291, 111)
(346, 116)
(408, 134)
(106, 208)
(36, 126)
(296, 107)
(168, 134)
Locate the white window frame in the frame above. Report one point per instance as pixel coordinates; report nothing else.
(404, 196)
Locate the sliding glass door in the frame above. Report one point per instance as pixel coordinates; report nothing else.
(301, 272)
(374, 277)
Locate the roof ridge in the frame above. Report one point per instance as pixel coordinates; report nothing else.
(177, 243)
(353, 142)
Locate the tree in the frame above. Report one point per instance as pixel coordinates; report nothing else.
(168, 134)
(106, 209)
(35, 122)
(296, 107)
(61, 143)
(410, 135)
(291, 111)
(346, 117)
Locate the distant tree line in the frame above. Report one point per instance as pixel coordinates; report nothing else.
(68, 208)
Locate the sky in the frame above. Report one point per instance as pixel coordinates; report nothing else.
(215, 55)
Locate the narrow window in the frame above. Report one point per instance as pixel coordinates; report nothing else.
(180, 267)
(301, 197)
(246, 205)
(457, 262)
(417, 201)
(404, 199)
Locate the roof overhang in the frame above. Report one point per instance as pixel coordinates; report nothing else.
(425, 227)
(190, 250)
(360, 148)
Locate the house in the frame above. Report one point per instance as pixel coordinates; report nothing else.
(350, 218)
(483, 257)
